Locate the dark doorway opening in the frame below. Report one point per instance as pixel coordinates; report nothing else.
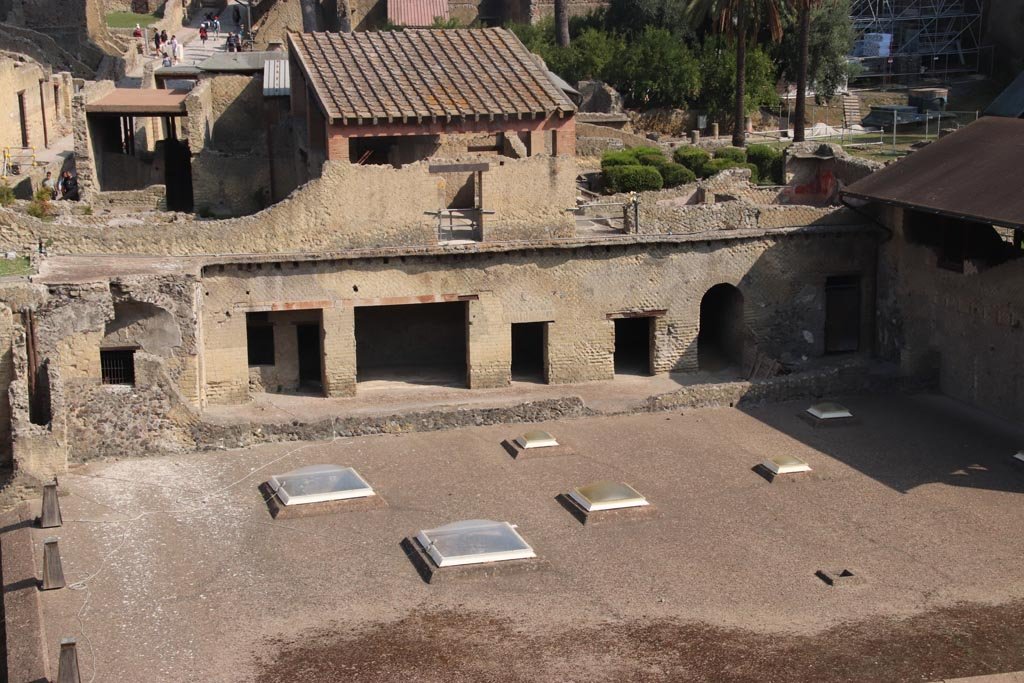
(178, 175)
(842, 314)
(412, 343)
(23, 118)
(529, 342)
(310, 357)
(633, 340)
(720, 339)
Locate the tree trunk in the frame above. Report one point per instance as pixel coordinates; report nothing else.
(562, 23)
(739, 137)
(800, 119)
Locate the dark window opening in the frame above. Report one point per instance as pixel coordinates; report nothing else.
(842, 313)
(259, 339)
(23, 118)
(957, 241)
(393, 150)
(412, 343)
(633, 340)
(529, 344)
(117, 366)
(720, 339)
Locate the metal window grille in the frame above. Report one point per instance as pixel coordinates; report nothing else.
(117, 366)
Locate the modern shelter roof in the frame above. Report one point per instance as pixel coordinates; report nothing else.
(972, 174)
(140, 101)
(418, 74)
(1010, 102)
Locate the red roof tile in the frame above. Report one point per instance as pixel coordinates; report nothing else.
(417, 13)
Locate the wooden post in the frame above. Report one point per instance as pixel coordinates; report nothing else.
(50, 515)
(67, 669)
(53, 572)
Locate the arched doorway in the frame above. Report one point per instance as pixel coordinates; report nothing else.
(720, 339)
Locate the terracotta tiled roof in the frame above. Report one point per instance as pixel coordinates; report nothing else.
(416, 12)
(424, 74)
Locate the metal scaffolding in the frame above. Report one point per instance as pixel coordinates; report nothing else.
(907, 39)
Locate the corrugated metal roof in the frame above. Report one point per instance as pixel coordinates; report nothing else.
(457, 73)
(417, 13)
(1010, 102)
(276, 78)
(974, 174)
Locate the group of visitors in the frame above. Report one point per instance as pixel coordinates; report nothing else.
(65, 188)
(172, 50)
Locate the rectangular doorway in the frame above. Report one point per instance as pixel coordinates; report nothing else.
(23, 118)
(634, 340)
(310, 357)
(842, 314)
(412, 344)
(529, 352)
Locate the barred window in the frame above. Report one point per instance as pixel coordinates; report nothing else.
(117, 366)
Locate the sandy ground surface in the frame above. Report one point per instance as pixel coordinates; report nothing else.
(179, 573)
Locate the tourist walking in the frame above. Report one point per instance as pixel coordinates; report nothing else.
(179, 52)
(202, 34)
(172, 48)
(216, 26)
(156, 43)
(163, 38)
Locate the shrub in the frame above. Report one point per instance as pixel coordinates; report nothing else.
(40, 206)
(674, 174)
(716, 166)
(6, 194)
(655, 159)
(655, 68)
(692, 158)
(737, 154)
(617, 158)
(635, 178)
(768, 161)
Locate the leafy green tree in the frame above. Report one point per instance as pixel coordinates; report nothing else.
(739, 20)
(816, 42)
(656, 69)
(718, 80)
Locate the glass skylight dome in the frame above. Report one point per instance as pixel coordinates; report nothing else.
(1019, 456)
(607, 495)
(473, 541)
(829, 411)
(536, 439)
(318, 484)
(785, 464)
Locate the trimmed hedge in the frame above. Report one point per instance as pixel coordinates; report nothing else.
(635, 178)
(768, 161)
(716, 166)
(737, 154)
(692, 158)
(655, 159)
(617, 158)
(674, 174)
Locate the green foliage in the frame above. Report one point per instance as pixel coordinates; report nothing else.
(15, 266)
(716, 166)
(129, 19)
(6, 194)
(40, 206)
(644, 156)
(692, 158)
(633, 178)
(831, 38)
(674, 174)
(768, 161)
(656, 69)
(617, 158)
(737, 154)
(718, 69)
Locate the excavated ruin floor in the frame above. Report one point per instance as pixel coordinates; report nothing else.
(183, 575)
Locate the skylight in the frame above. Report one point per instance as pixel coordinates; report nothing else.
(536, 439)
(473, 541)
(607, 495)
(829, 411)
(319, 483)
(785, 464)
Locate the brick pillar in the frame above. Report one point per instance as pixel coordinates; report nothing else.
(564, 138)
(339, 350)
(226, 358)
(535, 142)
(489, 345)
(337, 146)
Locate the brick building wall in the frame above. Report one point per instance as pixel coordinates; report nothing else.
(29, 86)
(967, 326)
(576, 290)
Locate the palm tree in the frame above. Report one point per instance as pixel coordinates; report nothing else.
(804, 9)
(739, 19)
(562, 23)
